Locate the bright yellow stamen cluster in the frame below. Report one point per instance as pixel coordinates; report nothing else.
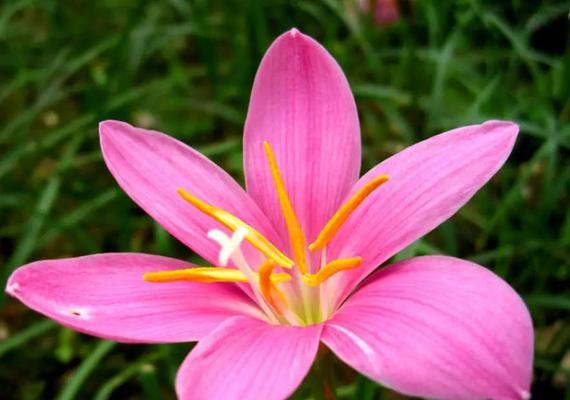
(266, 280)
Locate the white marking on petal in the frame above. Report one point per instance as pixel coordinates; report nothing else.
(362, 345)
(12, 288)
(359, 342)
(524, 395)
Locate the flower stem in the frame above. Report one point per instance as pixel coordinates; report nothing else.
(322, 380)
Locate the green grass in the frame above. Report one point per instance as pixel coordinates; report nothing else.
(186, 68)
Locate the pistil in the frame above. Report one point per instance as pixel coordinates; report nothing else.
(232, 222)
(241, 263)
(298, 303)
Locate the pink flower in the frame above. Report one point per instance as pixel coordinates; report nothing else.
(296, 252)
(383, 12)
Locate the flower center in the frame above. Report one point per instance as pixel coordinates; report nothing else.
(298, 297)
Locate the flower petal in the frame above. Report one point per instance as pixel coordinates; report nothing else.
(384, 12)
(150, 166)
(437, 327)
(429, 182)
(302, 105)
(105, 295)
(247, 358)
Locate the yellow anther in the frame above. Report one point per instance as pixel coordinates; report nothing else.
(268, 288)
(296, 235)
(334, 224)
(208, 275)
(232, 222)
(330, 269)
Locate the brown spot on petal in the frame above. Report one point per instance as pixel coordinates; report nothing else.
(80, 313)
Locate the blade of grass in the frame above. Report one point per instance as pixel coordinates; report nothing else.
(365, 389)
(30, 236)
(77, 215)
(73, 385)
(107, 389)
(22, 337)
(149, 382)
(54, 91)
(548, 301)
(9, 12)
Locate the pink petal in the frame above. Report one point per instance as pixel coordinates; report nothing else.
(302, 105)
(429, 182)
(105, 295)
(150, 166)
(248, 359)
(437, 327)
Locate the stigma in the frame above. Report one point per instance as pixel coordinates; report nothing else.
(233, 223)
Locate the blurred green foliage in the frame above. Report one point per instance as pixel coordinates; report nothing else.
(186, 68)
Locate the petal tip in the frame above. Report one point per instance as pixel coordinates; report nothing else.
(294, 32)
(109, 126)
(111, 132)
(508, 127)
(293, 36)
(12, 288)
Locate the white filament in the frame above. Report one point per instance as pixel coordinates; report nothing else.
(230, 250)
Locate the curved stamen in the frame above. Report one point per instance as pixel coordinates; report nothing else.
(334, 224)
(233, 223)
(296, 234)
(340, 264)
(272, 294)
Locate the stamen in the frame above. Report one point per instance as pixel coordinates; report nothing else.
(232, 222)
(268, 288)
(208, 275)
(330, 269)
(296, 235)
(334, 224)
